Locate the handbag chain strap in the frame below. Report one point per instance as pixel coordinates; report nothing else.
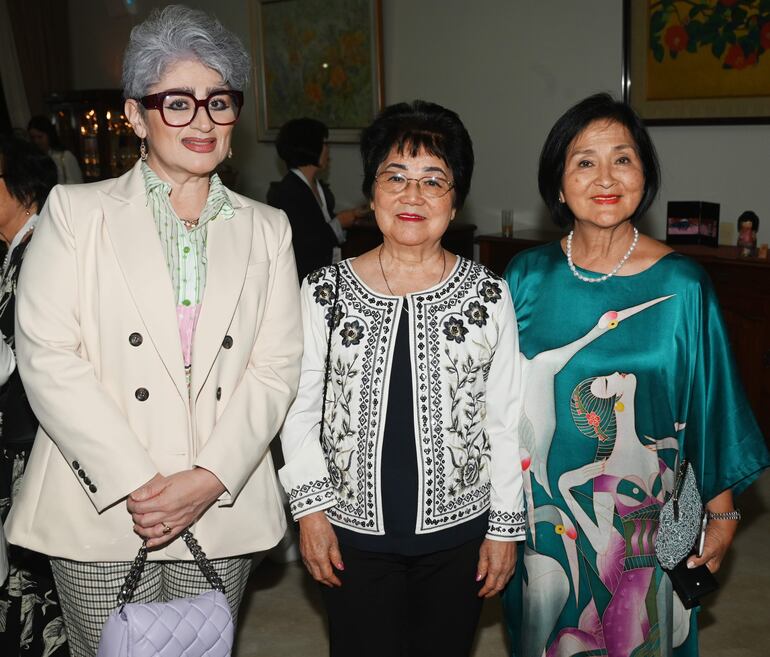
(135, 572)
(332, 318)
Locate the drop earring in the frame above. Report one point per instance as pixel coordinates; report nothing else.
(230, 154)
(143, 150)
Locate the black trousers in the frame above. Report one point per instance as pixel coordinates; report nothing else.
(392, 605)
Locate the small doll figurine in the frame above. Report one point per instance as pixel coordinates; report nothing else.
(748, 224)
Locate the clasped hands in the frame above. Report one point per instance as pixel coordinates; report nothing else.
(165, 506)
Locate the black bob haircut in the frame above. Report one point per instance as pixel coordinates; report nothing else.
(412, 127)
(300, 142)
(28, 173)
(599, 107)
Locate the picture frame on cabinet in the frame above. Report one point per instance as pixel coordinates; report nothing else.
(320, 59)
(697, 62)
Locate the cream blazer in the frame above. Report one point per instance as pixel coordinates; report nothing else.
(100, 355)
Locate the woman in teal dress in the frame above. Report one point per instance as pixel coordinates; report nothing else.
(627, 369)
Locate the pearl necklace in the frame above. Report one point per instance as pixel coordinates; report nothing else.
(603, 278)
(384, 278)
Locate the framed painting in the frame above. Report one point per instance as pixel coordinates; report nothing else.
(697, 61)
(317, 58)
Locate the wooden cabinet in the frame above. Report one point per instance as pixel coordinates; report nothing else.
(742, 286)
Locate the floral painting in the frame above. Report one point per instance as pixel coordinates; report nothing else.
(317, 58)
(703, 61)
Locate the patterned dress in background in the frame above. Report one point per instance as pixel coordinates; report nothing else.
(618, 377)
(31, 623)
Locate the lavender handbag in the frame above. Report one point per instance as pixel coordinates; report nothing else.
(188, 627)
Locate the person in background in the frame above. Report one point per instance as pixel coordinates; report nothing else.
(627, 371)
(43, 134)
(306, 199)
(410, 501)
(30, 615)
(159, 338)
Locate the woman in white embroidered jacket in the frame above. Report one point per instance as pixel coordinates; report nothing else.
(409, 503)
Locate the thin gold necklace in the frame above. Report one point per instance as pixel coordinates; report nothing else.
(385, 278)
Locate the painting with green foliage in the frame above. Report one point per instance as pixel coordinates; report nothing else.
(699, 59)
(318, 58)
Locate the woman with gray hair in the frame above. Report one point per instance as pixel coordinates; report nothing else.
(159, 340)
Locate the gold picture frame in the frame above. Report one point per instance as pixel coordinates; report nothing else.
(697, 62)
(317, 58)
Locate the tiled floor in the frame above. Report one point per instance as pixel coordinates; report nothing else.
(282, 613)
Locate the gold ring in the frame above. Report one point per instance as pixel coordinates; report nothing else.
(166, 528)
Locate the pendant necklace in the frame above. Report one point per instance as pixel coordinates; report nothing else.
(587, 279)
(384, 278)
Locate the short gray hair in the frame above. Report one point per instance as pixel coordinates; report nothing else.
(177, 33)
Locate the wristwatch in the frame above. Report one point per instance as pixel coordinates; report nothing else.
(726, 515)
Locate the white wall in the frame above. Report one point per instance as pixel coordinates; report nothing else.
(509, 68)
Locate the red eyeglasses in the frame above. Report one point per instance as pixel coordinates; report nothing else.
(179, 108)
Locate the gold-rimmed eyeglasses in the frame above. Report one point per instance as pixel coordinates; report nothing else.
(429, 186)
(178, 108)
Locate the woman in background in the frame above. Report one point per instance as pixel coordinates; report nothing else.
(628, 370)
(30, 616)
(306, 199)
(43, 134)
(159, 340)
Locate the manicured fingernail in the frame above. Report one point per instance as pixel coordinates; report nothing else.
(340, 566)
(691, 564)
(478, 577)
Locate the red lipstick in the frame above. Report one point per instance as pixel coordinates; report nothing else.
(199, 145)
(606, 200)
(408, 216)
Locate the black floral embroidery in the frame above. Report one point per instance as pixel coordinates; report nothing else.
(470, 472)
(334, 322)
(315, 276)
(351, 333)
(337, 433)
(469, 448)
(455, 330)
(323, 294)
(491, 291)
(476, 313)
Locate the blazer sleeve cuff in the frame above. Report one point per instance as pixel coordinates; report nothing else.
(507, 525)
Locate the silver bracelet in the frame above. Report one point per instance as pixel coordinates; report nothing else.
(726, 515)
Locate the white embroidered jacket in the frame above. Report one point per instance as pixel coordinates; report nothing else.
(463, 344)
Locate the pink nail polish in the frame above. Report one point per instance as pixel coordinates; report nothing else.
(340, 566)
(478, 578)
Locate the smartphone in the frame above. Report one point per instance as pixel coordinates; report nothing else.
(702, 540)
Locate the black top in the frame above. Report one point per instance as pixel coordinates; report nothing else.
(19, 423)
(399, 473)
(312, 237)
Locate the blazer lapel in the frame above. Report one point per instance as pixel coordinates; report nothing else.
(137, 248)
(228, 248)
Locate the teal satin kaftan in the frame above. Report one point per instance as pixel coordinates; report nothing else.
(617, 376)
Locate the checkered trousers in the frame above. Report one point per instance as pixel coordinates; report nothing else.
(88, 591)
